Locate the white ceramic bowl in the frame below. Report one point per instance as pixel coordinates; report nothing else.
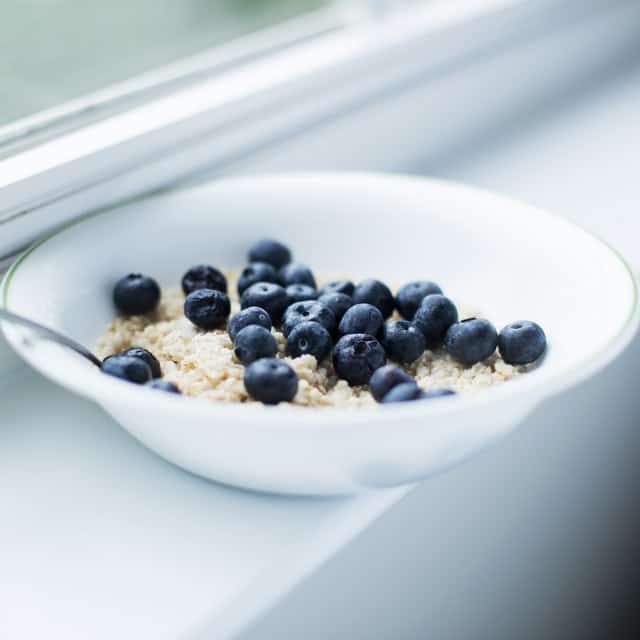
(506, 259)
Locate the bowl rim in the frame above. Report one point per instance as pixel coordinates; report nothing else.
(528, 388)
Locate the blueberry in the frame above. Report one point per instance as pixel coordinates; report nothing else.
(203, 276)
(254, 342)
(376, 293)
(207, 308)
(308, 311)
(337, 302)
(256, 272)
(163, 385)
(271, 251)
(296, 274)
(300, 292)
(405, 392)
(361, 318)
(136, 294)
(271, 381)
(128, 368)
(247, 317)
(409, 297)
(309, 338)
(268, 296)
(434, 317)
(438, 393)
(385, 378)
(403, 341)
(148, 357)
(339, 286)
(356, 357)
(471, 340)
(522, 342)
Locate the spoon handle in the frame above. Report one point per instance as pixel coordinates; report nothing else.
(50, 334)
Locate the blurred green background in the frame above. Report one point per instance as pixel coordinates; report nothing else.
(55, 50)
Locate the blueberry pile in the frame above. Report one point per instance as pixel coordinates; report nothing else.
(348, 323)
(139, 366)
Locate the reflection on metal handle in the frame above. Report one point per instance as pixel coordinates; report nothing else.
(50, 334)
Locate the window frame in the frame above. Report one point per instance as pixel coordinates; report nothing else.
(25, 132)
(234, 113)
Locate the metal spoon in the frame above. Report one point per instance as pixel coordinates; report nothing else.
(50, 334)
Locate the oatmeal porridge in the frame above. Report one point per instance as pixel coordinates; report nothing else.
(201, 363)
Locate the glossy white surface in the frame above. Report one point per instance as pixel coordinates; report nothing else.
(101, 539)
(504, 258)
